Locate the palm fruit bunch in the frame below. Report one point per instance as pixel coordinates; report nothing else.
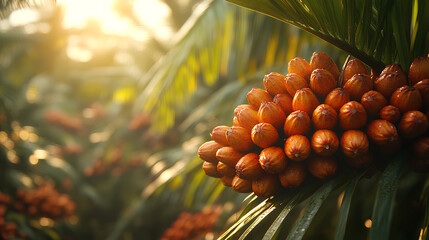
(8, 230)
(314, 119)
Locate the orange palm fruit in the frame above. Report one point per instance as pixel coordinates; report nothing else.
(322, 82)
(242, 106)
(322, 60)
(337, 98)
(352, 115)
(322, 167)
(297, 123)
(248, 167)
(353, 67)
(390, 79)
(218, 135)
(390, 113)
(324, 117)
(247, 118)
(324, 142)
(266, 186)
(421, 147)
(373, 102)
(413, 124)
(300, 67)
(354, 143)
(275, 83)
(256, 96)
(226, 181)
(235, 122)
(207, 151)
(305, 100)
(294, 82)
(294, 175)
(357, 85)
(228, 155)
(239, 138)
(241, 185)
(406, 98)
(264, 135)
(225, 170)
(272, 113)
(423, 87)
(382, 132)
(211, 169)
(273, 160)
(360, 161)
(284, 100)
(419, 69)
(297, 148)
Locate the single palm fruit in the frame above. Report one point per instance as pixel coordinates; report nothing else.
(337, 98)
(207, 151)
(423, 87)
(294, 175)
(284, 100)
(389, 80)
(272, 113)
(322, 167)
(218, 134)
(297, 148)
(240, 107)
(297, 123)
(354, 143)
(264, 135)
(226, 181)
(211, 169)
(390, 113)
(419, 69)
(358, 85)
(300, 67)
(305, 100)
(353, 67)
(274, 83)
(324, 117)
(406, 98)
(294, 82)
(239, 138)
(225, 170)
(382, 132)
(228, 155)
(373, 102)
(322, 82)
(360, 161)
(248, 167)
(247, 118)
(273, 160)
(256, 96)
(322, 60)
(413, 124)
(241, 185)
(352, 115)
(421, 147)
(266, 186)
(324, 142)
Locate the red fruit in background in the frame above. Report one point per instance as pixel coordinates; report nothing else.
(297, 123)
(419, 69)
(297, 148)
(390, 113)
(248, 167)
(294, 82)
(352, 115)
(211, 169)
(228, 155)
(353, 67)
(284, 100)
(389, 80)
(275, 83)
(294, 175)
(373, 102)
(264, 135)
(358, 85)
(266, 186)
(324, 117)
(413, 124)
(300, 67)
(421, 147)
(423, 87)
(337, 98)
(322, 82)
(324, 142)
(218, 135)
(256, 96)
(241, 185)
(272, 113)
(207, 151)
(239, 138)
(273, 160)
(322, 60)
(354, 143)
(382, 132)
(305, 100)
(406, 98)
(322, 167)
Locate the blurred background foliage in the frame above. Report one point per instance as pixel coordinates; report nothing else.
(109, 114)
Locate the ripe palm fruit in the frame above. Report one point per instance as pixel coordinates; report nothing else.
(274, 83)
(382, 132)
(297, 148)
(324, 117)
(353, 67)
(256, 96)
(294, 175)
(322, 82)
(322, 167)
(352, 115)
(423, 87)
(242, 106)
(273, 160)
(226, 181)
(228, 155)
(225, 170)
(421, 147)
(360, 161)
(284, 100)
(390, 79)
(413, 124)
(358, 85)
(264, 135)
(239, 138)
(218, 135)
(419, 69)
(297, 123)
(390, 113)
(248, 167)
(337, 98)
(324, 142)
(406, 98)
(207, 151)
(322, 60)
(211, 169)
(373, 102)
(354, 143)
(300, 67)
(266, 186)
(272, 113)
(241, 185)
(247, 118)
(235, 122)
(305, 100)
(294, 82)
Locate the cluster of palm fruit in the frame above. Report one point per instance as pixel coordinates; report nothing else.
(8, 230)
(314, 119)
(62, 120)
